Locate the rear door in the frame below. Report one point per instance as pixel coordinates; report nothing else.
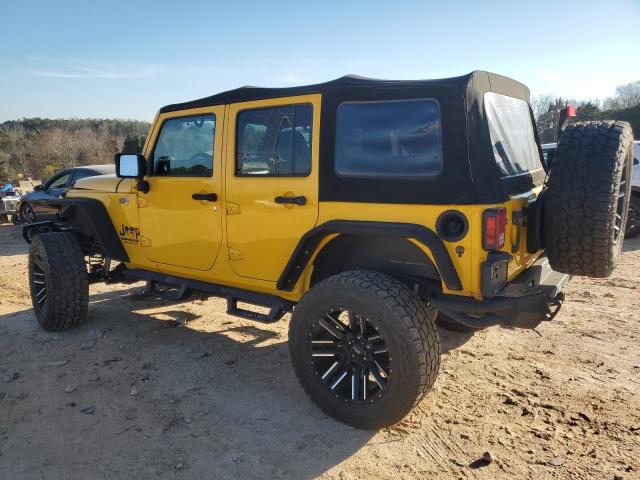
(180, 218)
(271, 181)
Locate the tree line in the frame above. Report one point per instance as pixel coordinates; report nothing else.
(623, 105)
(38, 147)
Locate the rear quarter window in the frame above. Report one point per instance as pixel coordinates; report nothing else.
(400, 138)
(512, 134)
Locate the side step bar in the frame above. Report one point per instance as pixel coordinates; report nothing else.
(181, 288)
(276, 311)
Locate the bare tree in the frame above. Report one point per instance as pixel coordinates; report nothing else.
(540, 104)
(628, 95)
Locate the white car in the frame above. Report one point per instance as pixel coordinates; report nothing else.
(546, 148)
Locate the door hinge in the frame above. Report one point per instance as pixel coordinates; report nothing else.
(235, 254)
(142, 202)
(233, 209)
(144, 241)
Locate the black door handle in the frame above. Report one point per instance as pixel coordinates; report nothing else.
(209, 197)
(301, 200)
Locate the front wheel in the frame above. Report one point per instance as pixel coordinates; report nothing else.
(27, 215)
(364, 347)
(58, 280)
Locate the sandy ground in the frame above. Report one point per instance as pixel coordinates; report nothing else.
(152, 389)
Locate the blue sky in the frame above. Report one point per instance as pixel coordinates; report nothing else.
(62, 59)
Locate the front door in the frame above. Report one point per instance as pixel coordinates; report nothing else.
(180, 217)
(272, 182)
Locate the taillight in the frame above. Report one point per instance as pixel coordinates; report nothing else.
(494, 221)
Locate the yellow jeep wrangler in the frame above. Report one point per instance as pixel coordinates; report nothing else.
(367, 208)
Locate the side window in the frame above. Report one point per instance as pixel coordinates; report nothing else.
(82, 174)
(185, 147)
(59, 182)
(274, 141)
(399, 138)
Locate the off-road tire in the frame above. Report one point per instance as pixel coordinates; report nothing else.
(60, 257)
(633, 222)
(583, 219)
(403, 320)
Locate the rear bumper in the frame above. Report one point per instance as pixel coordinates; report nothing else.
(532, 297)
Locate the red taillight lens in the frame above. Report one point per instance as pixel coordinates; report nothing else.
(495, 227)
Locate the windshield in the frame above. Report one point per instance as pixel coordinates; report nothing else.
(512, 134)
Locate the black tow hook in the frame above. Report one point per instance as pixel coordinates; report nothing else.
(554, 306)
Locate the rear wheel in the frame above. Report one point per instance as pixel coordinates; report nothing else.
(587, 198)
(58, 280)
(633, 222)
(364, 347)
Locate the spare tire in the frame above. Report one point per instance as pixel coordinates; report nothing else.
(586, 203)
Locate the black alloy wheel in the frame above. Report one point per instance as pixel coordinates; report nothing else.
(350, 356)
(39, 284)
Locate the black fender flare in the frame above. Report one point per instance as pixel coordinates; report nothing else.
(310, 241)
(87, 217)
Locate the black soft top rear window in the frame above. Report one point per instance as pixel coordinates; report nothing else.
(512, 134)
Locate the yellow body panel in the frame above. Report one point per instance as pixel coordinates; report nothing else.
(262, 232)
(123, 211)
(244, 239)
(177, 230)
(101, 183)
(468, 262)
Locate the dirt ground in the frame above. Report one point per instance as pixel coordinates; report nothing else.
(152, 389)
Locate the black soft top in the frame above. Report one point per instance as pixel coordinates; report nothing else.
(470, 174)
(476, 82)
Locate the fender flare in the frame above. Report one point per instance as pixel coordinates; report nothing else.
(310, 241)
(87, 217)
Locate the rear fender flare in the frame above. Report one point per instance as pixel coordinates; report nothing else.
(308, 245)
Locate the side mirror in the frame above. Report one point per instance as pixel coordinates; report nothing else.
(132, 166)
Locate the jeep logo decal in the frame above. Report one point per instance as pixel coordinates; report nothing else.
(129, 234)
